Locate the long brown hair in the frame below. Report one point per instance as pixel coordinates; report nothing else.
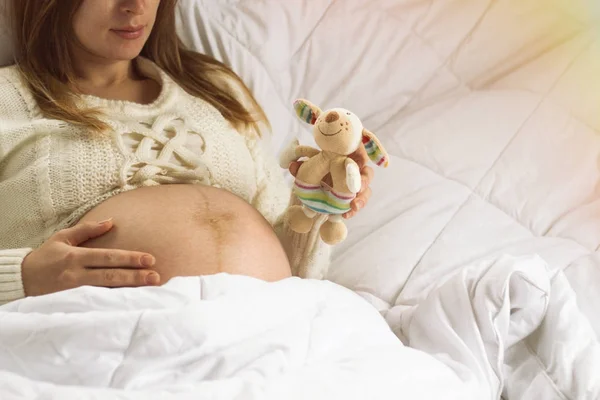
(42, 31)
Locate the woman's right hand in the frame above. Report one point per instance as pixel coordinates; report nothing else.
(59, 264)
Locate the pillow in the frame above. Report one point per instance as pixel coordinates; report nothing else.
(444, 85)
(336, 54)
(379, 59)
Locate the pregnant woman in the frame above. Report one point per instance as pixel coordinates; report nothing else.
(126, 160)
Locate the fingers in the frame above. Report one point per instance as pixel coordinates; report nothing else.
(363, 198)
(367, 174)
(294, 167)
(359, 202)
(114, 278)
(364, 194)
(360, 156)
(81, 233)
(112, 258)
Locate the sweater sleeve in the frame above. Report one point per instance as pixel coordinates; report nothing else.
(309, 257)
(11, 284)
(12, 107)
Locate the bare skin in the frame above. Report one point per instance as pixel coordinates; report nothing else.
(103, 58)
(192, 230)
(151, 234)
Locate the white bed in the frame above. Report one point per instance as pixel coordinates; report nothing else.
(481, 244)
(491, 110)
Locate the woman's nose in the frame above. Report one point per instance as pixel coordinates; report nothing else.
(133, 6)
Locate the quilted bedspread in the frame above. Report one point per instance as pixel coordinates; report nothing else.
(491, 112)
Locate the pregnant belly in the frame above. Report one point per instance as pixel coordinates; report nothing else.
(192, 230)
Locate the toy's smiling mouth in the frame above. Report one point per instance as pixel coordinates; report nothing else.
(328, 134)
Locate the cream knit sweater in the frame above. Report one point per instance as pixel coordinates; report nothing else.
(51, 173)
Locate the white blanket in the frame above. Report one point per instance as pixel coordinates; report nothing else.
(231, 337)
(506, 327)
(217, 337)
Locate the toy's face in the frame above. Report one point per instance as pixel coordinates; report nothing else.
(338, 130)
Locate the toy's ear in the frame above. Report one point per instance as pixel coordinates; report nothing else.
(307, 111)
(375, 150)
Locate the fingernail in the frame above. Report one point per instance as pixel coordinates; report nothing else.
(106, 221)
(152, 278)
(147, 261)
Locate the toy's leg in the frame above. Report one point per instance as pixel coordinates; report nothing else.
(300, 218)
(333, 231)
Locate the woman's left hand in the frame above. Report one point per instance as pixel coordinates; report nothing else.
(361, 158)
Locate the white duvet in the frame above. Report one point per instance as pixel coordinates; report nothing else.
(233, 337)
(218, 337)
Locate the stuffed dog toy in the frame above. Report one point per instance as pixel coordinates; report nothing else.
(338, 133)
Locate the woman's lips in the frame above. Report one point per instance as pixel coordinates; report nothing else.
(130, 33)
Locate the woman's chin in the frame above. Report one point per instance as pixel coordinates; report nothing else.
(121, 50)
(125, 54)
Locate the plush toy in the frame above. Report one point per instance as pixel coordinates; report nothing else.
(338, 133)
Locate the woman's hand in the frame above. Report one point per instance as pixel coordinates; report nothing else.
(362, 198)
(59, 264)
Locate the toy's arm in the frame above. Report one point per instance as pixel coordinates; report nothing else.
(288, 154)
(353, 179)
(306, 151)
(294, 152)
